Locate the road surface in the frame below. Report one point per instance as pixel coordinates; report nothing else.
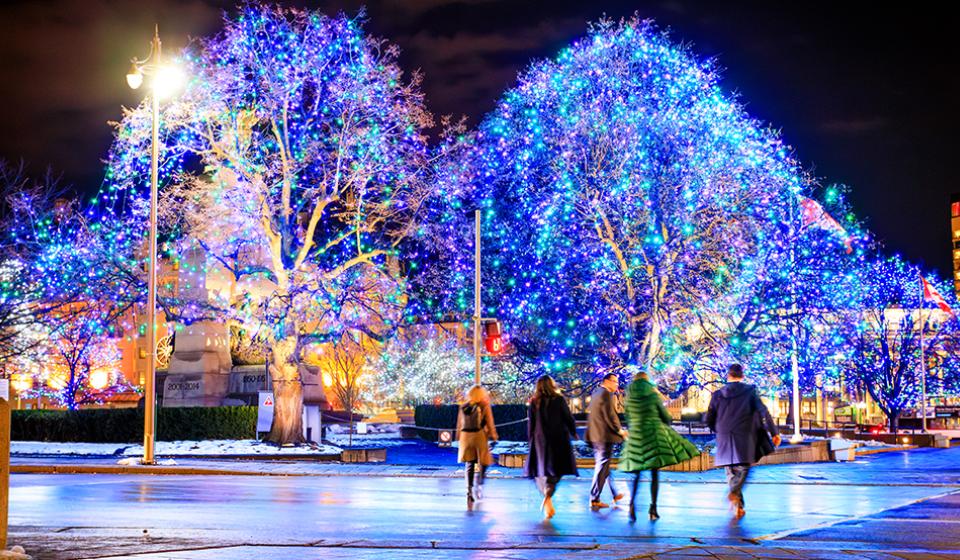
(62, 517)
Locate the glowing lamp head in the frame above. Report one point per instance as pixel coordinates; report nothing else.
(99, 379)
(167, 80)
(134, 76)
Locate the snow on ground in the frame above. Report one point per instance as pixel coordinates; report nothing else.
(388, 430)
(172, 448)
(861, 442)
(15, 553)
(378, 435)
(65, 448)
(231, 447)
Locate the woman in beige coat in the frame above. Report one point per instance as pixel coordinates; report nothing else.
(475, 426)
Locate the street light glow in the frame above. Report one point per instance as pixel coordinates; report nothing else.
(134, 76)
(167, 80)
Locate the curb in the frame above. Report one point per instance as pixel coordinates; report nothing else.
(129, 469)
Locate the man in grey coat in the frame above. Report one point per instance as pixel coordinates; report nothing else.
(603, 432)
(738, 416)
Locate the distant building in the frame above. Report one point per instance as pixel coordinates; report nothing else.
(955, 239)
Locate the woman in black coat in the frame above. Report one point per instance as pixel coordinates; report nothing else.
(550, 427)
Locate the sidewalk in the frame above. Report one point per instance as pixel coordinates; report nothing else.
(538, 551)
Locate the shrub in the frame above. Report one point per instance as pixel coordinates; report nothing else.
(125, 425)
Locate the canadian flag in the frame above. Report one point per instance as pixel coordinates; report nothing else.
(812, 214)
(932, 295)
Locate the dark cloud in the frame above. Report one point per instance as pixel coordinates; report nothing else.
(866, 96)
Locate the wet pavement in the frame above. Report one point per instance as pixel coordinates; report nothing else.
(897, 505)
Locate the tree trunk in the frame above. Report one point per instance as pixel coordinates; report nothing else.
(287, 426)
(790, 416)
(350, 423)
(894, 421)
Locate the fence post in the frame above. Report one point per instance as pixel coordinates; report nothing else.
(4, 469)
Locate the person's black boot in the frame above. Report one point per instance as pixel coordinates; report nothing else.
(632, 513)
(653, 512)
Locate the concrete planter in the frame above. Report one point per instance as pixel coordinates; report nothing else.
(364, 455)
(817, 451)
(511, 460)
(930, 439)
(700, 463)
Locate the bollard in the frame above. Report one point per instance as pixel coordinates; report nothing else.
(4, 469)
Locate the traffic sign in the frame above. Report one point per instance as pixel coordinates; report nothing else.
(264, 411)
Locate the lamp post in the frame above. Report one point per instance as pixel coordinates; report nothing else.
(162, 81)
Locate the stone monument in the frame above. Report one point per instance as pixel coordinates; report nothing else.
(199, 369)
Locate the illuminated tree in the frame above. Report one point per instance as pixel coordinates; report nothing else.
(295, 157)
(883, 336)
(38, 226)
(621, 190)
(799, 285)
(420, 368)
(79, 363)
(344, 361)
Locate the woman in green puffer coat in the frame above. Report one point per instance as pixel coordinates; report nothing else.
(651, 443)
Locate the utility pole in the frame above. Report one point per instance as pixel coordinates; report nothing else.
(476, 297)
(923, 363)
(794, 363)
(150, 385)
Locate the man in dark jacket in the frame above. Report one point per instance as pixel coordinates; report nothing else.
(739, 417)
(603, 432)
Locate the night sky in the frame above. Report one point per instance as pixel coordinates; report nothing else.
(866, 96)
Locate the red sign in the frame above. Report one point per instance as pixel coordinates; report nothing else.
(494, 344)
(492, 337)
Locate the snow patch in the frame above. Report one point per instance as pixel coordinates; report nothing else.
(15, 553)
(65, 448)
(216, 447)
(210, 448)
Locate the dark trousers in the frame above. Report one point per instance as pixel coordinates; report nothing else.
(602, 453)
(654, 487)
(474, 472)
(736, 478)
(547, 485)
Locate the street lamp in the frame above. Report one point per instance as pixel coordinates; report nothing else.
(164, 80)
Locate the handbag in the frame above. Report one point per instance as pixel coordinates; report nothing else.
(764, 442)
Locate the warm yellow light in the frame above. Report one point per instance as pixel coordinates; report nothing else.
(167, 80)
(21, 383)
(99, 379)
(327, 379)
(57, 381)
(134, 76)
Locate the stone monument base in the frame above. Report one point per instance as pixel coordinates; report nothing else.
(195, 389)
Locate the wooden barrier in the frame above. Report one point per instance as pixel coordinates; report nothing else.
(4, 469)
(511, 460)
(814, 452)
(364, 455)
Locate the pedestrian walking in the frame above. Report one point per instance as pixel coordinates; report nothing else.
(550, 427)
(475, 427)
(603, 432)
(745, 432)
(651, 444)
